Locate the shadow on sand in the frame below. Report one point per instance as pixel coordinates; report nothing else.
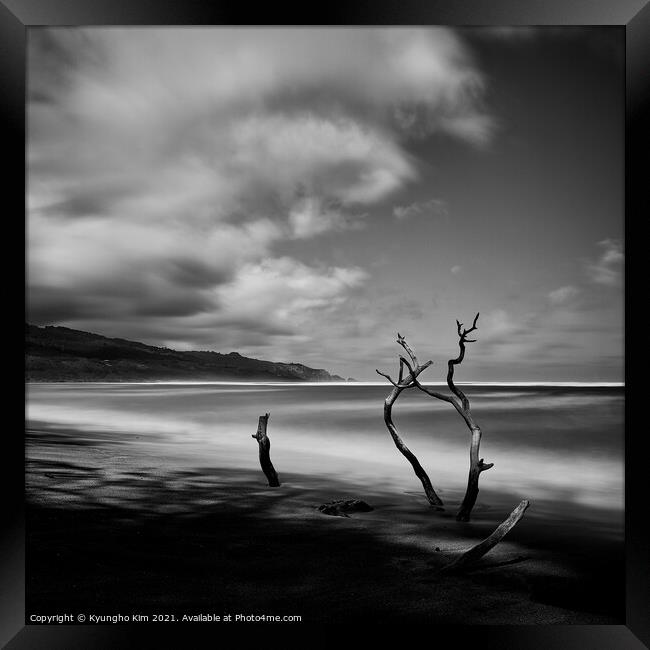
(188, 542)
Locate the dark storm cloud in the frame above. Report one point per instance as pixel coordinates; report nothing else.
(51, 305)
(48, 305)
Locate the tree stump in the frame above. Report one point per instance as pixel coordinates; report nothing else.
(265, 448)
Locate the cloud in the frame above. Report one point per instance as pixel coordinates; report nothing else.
(607, 270)
(455, 270)
(434, 207)
(498, 326)
(102, 270)
(285, 293)
(574, 322)
(563, 295)
(338, 158)
(309, 217)
(169, 167)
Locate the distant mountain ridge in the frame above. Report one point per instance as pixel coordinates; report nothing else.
(56, 353)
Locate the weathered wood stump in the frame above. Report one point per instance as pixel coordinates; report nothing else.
(265, 448)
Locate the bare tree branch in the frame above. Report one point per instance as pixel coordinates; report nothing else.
(476, 466)
(405, 383)
(402, 341)
(462, 339)
(428, 391)
(383, 374)
(459, 401)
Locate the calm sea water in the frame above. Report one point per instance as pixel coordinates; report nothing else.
(558, 446)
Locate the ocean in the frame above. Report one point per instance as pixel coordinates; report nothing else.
(561, 447)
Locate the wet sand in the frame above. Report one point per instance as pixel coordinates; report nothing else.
(150, 499)
(144, 540)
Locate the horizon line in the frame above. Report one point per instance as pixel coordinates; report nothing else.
(566, 384)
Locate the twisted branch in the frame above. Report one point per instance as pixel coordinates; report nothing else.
(462, 339)
(404, 383)
(458, 399)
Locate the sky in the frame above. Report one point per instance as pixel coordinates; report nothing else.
(302, 195)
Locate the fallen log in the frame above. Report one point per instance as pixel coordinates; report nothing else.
(470, 557)
(265, 447)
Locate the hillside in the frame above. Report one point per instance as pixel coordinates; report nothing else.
(64, 354)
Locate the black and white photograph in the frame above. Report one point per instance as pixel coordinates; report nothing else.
(325, 325)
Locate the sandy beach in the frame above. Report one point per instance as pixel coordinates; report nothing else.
(185, 544)
(133, 509)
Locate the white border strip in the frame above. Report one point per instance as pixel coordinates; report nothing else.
(503, 384)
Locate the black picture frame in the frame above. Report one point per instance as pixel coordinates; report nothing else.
(631, 15)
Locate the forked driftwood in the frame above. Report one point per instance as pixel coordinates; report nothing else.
(400, 385)
(475, 553)
(457, 399)
(265, 447)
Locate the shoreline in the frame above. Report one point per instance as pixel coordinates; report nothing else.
(152, 499)
(228, 543)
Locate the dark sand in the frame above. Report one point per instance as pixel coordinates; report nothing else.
(175, 542)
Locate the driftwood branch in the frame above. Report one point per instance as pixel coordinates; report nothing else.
(457, 399)
(462, 339)
(461, 403)
(404, 383)
(476, 465)
(265, 448)
(425, 389)
(470, 557)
